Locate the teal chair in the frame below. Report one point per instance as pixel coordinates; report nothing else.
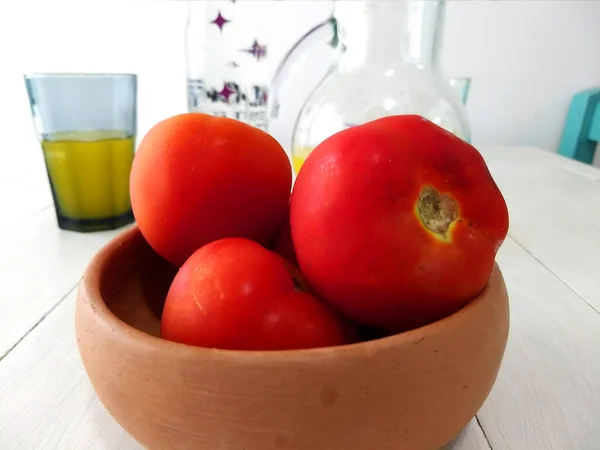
(581, 132)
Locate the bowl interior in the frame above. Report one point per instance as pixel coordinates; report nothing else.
(135, 282)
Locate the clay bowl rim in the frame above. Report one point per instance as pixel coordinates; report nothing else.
(90, 293)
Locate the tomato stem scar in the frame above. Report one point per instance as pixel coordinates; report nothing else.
(436, 211)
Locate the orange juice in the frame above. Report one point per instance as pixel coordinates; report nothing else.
(299, 155)
(89, 172)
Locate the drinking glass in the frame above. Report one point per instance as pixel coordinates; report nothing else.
(86, 124)
(462, 86)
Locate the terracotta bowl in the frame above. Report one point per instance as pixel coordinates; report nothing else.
(415, 390)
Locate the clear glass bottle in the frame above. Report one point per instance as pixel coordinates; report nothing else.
(226, 53)
(385, 62)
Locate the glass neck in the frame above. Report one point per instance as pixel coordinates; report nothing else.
(390, 32)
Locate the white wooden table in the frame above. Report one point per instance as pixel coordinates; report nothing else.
(547, 395)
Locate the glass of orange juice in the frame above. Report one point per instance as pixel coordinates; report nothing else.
(86, 124)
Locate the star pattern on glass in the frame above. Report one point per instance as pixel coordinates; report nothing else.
(220, 21)
(257, 50)
(226, 92)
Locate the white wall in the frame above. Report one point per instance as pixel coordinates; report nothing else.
(527, 58)
(143, 37)
(523, 78)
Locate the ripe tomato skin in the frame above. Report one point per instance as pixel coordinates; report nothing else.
(281, 242)
(361, 239)
(198, 178)
(235, 294)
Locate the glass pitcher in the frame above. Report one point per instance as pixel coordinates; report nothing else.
(384, 58)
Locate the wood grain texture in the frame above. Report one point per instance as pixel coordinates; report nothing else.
(46, 400)
(554, 205)
(547, 395)
(472, 438)
(416, 390)
(23, 177)
(39, 265)
(39, 411)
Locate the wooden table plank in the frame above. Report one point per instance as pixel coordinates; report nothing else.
(472, 438)
(39, 265)
(547, 395)
(24, 180)
(554, 208)
(46, 400)
(61, 410)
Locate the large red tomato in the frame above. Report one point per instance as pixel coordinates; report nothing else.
(197, 178)
(397, 222)
(235, 294)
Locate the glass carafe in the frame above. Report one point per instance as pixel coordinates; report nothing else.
(384, 61)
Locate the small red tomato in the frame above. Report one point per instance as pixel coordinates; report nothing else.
(235, 294)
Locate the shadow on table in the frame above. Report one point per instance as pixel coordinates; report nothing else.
(471, 438)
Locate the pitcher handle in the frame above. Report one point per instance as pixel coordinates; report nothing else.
(326, 33)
